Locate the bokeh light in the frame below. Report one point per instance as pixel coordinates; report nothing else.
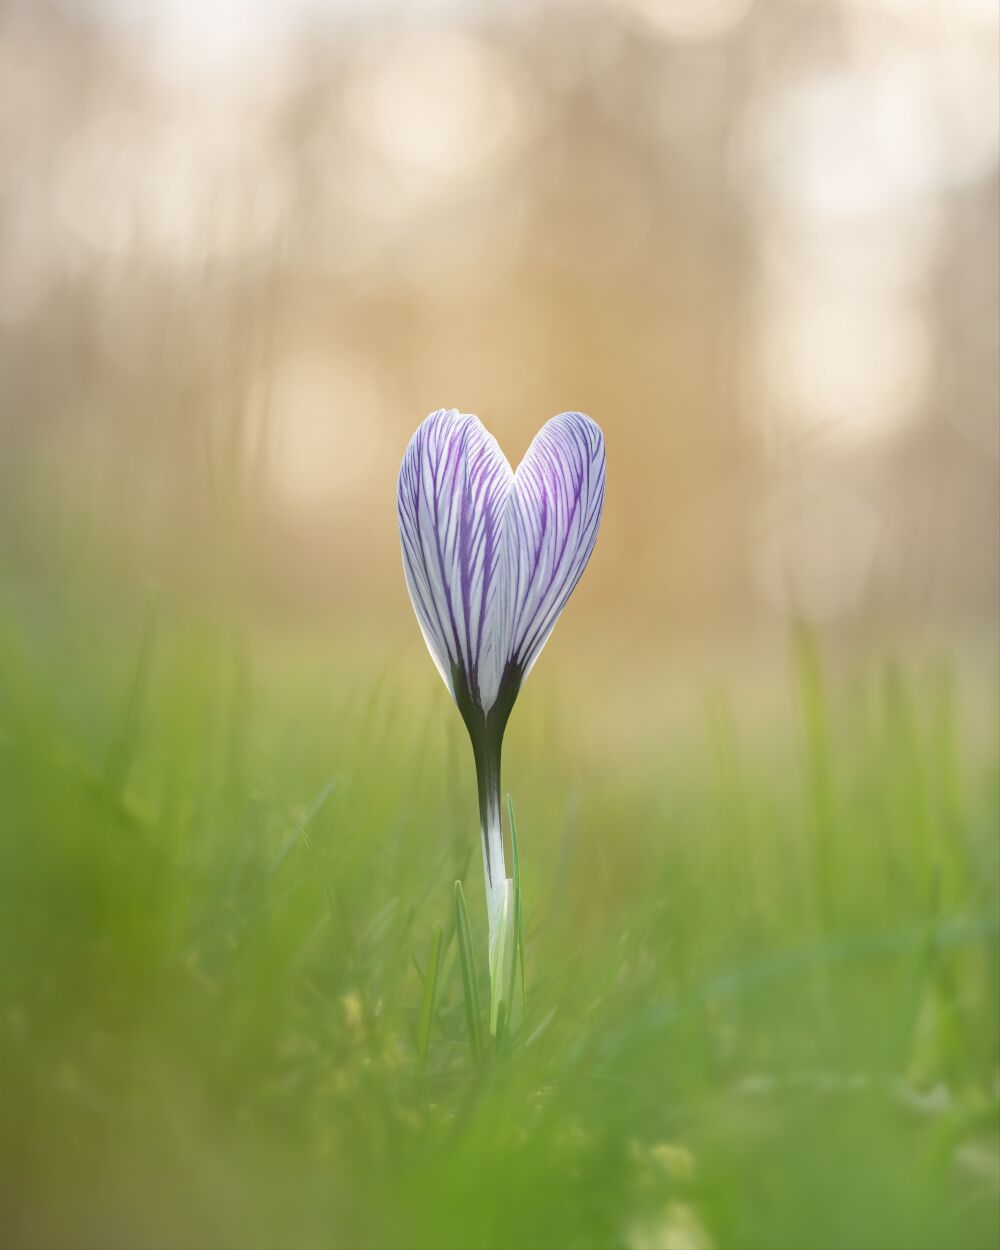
(245, 247)
(749, 237)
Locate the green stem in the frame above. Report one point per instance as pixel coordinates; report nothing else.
(486, 730)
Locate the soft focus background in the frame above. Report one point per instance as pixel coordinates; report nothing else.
(245, 246)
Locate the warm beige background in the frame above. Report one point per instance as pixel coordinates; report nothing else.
(246, 247)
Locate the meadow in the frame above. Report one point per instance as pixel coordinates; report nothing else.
(245, 248)
(761, 916)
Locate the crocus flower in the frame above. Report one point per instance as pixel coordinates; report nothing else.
(491, 557)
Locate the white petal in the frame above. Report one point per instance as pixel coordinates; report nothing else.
(452, 493)
(551, 526)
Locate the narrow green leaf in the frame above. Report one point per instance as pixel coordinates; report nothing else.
(468, 961)
(299, 832)
(123, 748)
(501, 1027)
(518, 954)
(537, 1032)
(430, 994)
(498, 956)
(812, 691)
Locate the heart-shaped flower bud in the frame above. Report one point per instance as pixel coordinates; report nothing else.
(491, 558)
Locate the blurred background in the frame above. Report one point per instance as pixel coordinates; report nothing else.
(247, 245)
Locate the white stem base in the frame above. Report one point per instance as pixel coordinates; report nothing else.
(494, 869)
(499, 910)
(501, 952)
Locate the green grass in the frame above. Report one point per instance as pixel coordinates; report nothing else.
(761, 953)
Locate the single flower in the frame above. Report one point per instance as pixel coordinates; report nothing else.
(491, 557)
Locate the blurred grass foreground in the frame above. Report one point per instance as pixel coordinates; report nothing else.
(244, 249)
(761, 961)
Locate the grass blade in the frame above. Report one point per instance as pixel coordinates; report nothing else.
(467, 959)
(299, 831)
(812, 692)
(430, 994)
(517, 956)
(123, 748)
(500, 1031)
(498, 955)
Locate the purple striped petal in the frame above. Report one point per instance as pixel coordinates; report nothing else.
(491, 556)
(552, 518)
(453, 488)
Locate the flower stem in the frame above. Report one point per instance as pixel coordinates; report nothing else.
(486, 730)
(494, 862)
